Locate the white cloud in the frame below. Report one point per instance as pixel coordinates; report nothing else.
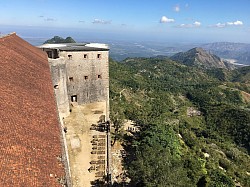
(222, 25)
(164, 19)
(177, 8)
(195, 24)
(185, 25)
(230, 23)
(99, 21)
(238, 23)
(235, 23)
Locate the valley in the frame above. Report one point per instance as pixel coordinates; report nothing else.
(194, 122)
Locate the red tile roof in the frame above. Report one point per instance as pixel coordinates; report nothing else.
(29, 128)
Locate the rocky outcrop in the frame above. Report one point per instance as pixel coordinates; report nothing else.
(199, 57)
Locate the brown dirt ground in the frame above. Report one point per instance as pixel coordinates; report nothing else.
(246, 96)
(79, 137)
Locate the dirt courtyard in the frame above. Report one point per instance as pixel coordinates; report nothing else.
(86, 146)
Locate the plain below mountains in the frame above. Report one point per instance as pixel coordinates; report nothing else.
(234, 52)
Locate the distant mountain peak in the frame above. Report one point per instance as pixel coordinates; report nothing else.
(58, 39)
(197, 49)
(199, 57)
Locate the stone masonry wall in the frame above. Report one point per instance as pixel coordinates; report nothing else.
(59, 79)
(87, 75)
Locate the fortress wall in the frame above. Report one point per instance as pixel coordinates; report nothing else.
(87, 75)
(59, 79)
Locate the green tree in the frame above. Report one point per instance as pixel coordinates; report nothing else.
(218, 179)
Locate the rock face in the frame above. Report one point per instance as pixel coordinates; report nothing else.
(199, 57)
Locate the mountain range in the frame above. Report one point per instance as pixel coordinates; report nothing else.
(240, 52)
(120, 49)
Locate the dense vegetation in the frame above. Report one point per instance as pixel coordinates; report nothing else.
(194, 123)
(58, 39)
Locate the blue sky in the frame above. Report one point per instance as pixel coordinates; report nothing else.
(161, 20)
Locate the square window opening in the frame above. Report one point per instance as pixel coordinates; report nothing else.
(49, 53)
(71, 79)
(74, 98)
(86, 77)
(85, 56)
(98, 55)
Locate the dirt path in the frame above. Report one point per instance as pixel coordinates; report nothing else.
(80, 140)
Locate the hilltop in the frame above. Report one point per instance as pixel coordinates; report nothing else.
(199, 57)
(58, 39)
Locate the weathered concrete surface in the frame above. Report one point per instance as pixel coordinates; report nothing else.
(59, 79)
(79, 138)
(88, 78)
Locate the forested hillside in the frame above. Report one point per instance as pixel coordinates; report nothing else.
(194, 123)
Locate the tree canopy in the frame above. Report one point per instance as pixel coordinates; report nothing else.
(174, 148)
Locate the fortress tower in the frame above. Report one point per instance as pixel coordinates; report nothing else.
(79, 73)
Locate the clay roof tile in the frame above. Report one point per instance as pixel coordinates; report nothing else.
(29, 127)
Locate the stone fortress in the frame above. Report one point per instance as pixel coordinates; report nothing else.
(80, 76)
(80, 73)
